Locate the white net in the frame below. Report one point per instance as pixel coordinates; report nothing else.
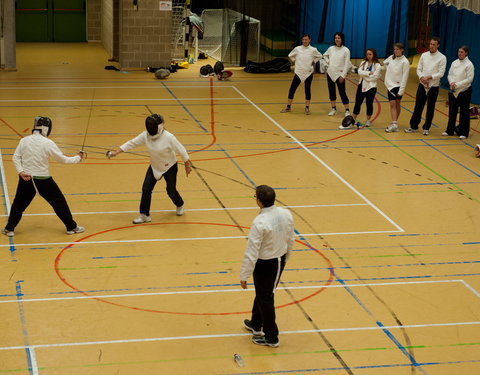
(179, 8)
(226, 33)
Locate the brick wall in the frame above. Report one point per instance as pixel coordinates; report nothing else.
(94, 20)
(107, 25)
(145, 35)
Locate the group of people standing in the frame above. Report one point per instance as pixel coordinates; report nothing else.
(431, 68)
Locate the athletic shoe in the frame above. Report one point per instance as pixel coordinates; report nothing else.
(411, 130)
(8, 233)
(142, 218)
(341, 127)
(286, 109)
(462, 137)
(347, 113)
(425, 132)
(368, 123)
(248, 326)
(392, 128)
(445, 134)
(261, 340)
(332, 112)
(78, 229)
(307, 111)
(180, 211)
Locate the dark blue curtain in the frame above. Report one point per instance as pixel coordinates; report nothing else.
(456, 28)
(366, 23)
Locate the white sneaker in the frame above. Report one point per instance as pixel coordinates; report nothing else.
(368, 123)
(411, 130)
(347, 113)
(78, 229)
(8, 233)
(180, 211)
(392, 128)
(462, 137)
(444, 134)
(142, 218)
(332, 112)
(286, 109)
(425, 132)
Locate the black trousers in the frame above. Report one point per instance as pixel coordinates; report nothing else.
(266, 276)
(368, 96)
(341, 90)
(454, 103)
(423, 97)
(296, 82)
(47, 189)
(149, 183)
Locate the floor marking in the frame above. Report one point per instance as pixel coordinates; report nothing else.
(231, 290)
(474, 291)
(194, 337)
(112, 100)
(108, 87)
(189, 239)
(321, 161)
(196, 209)
(6, 200)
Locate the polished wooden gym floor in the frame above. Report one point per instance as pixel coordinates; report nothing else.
(385, 273)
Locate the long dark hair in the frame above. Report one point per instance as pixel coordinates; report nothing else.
(341, 35)
(374, 58)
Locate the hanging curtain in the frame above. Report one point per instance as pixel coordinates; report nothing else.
(456, 28)
(471, 5)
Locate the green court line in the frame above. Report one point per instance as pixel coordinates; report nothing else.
(222, 357)
(423, 164)
(85, 268)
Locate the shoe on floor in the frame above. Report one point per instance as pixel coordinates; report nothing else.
(261, 340)
(307, 110)
(462, 137)
(425, 132)
(347, 113)
(332, 112)
(142, 218)
(286, 109)
(368, 123)
(180, 211)
(8, 233)
(445, 134)
(78, 229)
(392, 128)
(411, 130)
(248, 326)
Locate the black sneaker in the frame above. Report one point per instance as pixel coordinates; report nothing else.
(261, 340)
(248, 326)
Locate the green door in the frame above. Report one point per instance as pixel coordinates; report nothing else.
(51, 20)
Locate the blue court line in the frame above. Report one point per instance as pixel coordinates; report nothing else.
(236, 165)
(21, 311)
(450, 158)
(370, 313)
(354, 367)
(185, 108)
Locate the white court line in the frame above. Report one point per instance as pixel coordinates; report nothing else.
(33, 360)
(474, 291)
(199, 209)
(6, 199)
(206, 86)
(320, 161)
(174, 338)
(112, 100)
(186, 239)
(236, 290)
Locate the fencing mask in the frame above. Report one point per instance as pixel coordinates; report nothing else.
(42, 125)
(154, 124)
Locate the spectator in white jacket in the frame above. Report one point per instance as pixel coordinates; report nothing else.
(162, 147)
(460, 78)
(305, 58)
(396, 78)
(369, 72)
(338, 58)
(430, 68)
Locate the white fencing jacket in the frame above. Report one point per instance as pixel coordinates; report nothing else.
(397, 73)
(368, 80)
(304, 58)
(461, 72)
(432, 64)
(338, 59)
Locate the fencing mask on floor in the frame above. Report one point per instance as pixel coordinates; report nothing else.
(42, 125)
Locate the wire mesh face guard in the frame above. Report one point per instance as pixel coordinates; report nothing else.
(43, 125)
(154, 124)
